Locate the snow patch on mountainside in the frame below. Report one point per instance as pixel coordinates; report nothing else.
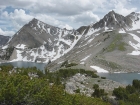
(99, 70)
(90, 40)
(136, 21)
(21, 46)
(38, 24)
(107, 30)
(73, 44)
(41, 54)
(19, 57)
(82, 63)
(122, 31)
(33, 54)
(138, 31)
(98, 44)
(61, 48)
(115, 18)
(135, 46)
(91, 31)
(68, 42)
(86, 58)
(60, 62)
(135, 37)
(136, 25)
(5, 47)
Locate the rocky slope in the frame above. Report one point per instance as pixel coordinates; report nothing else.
(110, 45)
(85, 84)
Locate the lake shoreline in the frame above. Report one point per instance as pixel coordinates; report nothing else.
(121, 77)
(20, 64)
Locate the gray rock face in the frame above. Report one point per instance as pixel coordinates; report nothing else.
(114, 21)
(38, 40)
(111, 44)
(4, 40)
(33, 34)
(133, 16)
(82, 29)
(78, 81)
(85, 84)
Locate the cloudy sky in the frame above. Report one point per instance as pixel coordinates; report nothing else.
(62, 13)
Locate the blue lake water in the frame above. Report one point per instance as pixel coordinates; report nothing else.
(21, 64)
(124, 78)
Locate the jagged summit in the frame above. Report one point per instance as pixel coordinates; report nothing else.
(135, 20)
(113, 21)
(37, 22)
(134, 16)
(113, 16)
(112, 12)
(34, 19)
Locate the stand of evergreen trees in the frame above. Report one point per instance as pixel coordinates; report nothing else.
(129, 95)
(18, 88)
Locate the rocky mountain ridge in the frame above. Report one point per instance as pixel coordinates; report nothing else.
(111, 44)
(113, 47)
(40, 42)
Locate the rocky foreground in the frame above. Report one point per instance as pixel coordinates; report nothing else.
(85, 84)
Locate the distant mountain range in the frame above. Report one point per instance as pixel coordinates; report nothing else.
(4, 40)
(113, 43)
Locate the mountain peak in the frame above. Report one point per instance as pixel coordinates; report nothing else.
(133, 13)
(112, 12)
(39, 24)
(34, 20)
(113, 20)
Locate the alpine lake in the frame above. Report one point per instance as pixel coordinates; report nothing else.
(124, 78)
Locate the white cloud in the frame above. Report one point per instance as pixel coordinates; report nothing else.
(18, 17)
(17, 3)
(119, 8)
(65, 7)
(85, 18)
(6, 33)
(66, 26)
